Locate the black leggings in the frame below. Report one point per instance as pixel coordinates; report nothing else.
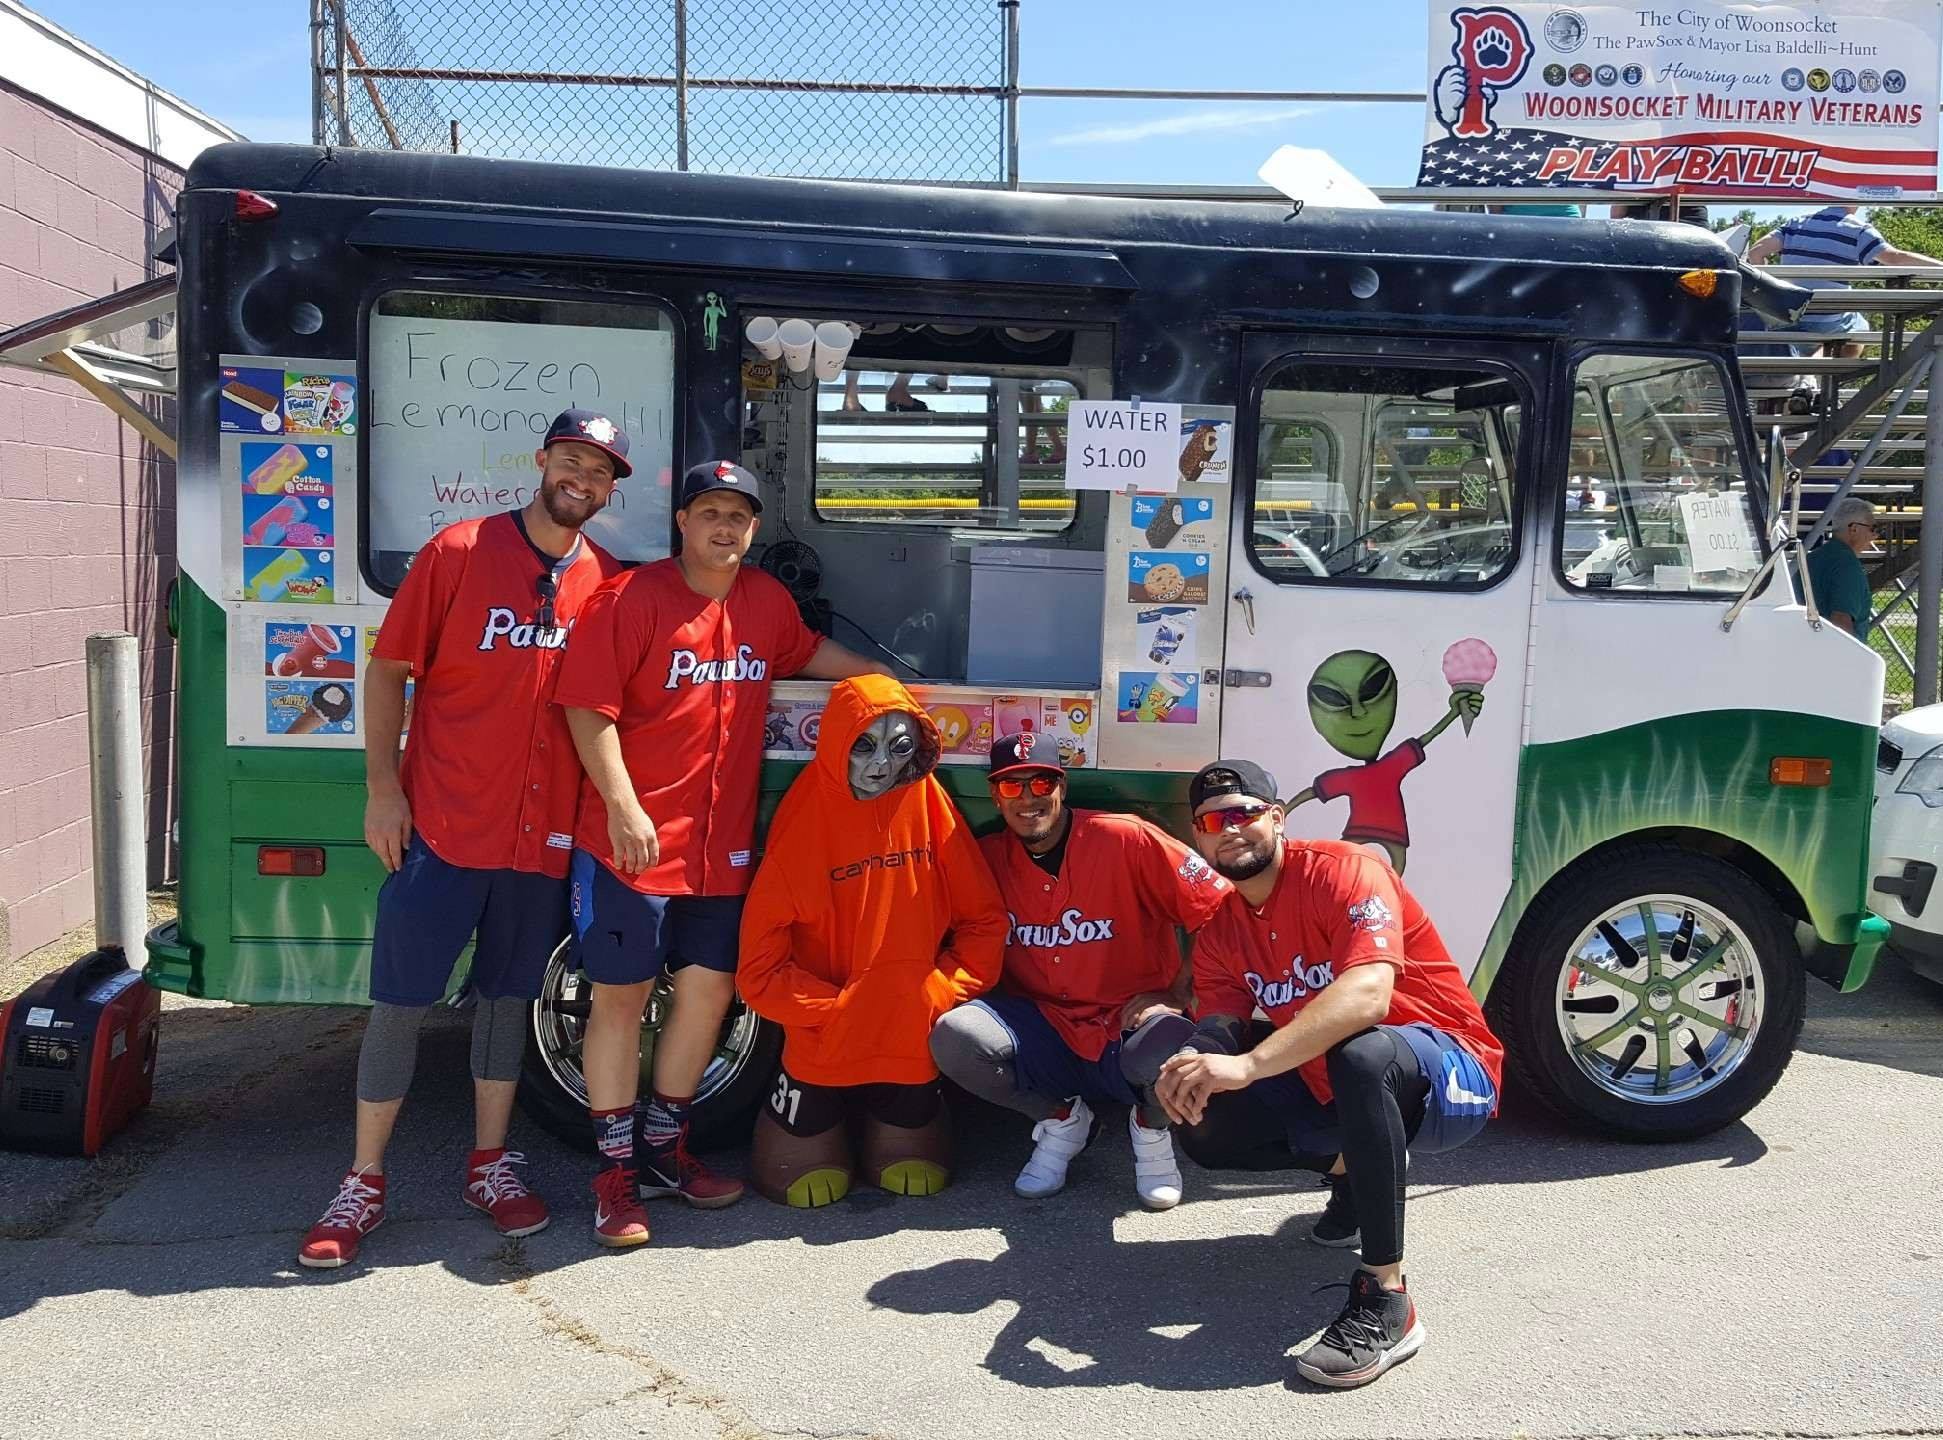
(1380, 1094)
(804, 1109)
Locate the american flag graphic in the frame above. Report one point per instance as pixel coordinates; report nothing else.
(1740, 163)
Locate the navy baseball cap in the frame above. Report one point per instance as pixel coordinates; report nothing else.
(1242, 778)
(1024, 751)
(590, 427)
(719, 475)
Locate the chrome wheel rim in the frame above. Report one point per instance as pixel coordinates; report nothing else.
(1660, 1000)
(560, 1030)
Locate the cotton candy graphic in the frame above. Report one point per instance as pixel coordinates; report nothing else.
(1468, 667)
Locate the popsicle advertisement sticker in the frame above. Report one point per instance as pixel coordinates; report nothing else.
(1207, 451)
(1172, 519)
(270, 468)
(273, 575)
(1165, 637)
(1158, 697)
(250, 401)
(319, 404)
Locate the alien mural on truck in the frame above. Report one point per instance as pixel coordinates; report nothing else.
(1353, 705)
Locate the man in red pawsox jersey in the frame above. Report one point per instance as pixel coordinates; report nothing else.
(666, 692)
(1373, 1044)
(1094, 985)
(475, 826)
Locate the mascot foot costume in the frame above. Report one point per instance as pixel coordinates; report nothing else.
(873, 914)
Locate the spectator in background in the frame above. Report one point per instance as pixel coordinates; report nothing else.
(1835, 566)
(1832, 236)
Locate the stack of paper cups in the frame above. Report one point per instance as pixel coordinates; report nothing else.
(832, 348)
(798, 338)
(761, 333)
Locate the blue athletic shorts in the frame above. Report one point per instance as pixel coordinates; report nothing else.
(429, 908)
(1046, 1065)
(622, 937)
(1461, 1098)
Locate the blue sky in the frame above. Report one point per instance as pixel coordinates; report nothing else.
(256, 78)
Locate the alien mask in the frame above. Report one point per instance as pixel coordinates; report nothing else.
(886, 755)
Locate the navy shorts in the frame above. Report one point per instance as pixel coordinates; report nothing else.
(622, 937)
(429, 908)
(1461, 1097)
(1046, 1065)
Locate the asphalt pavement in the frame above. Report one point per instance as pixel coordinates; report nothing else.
(1780, 1277)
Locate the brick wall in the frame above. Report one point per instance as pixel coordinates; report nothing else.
(87, 514)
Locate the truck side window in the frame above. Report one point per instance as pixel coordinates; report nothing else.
(1655, 499)
(961, 450)
(1381, 474)
(461, 390)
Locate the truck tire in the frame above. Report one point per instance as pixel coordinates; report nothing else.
(1651, 1031)
(553, 1091)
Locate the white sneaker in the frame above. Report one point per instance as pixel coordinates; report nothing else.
(1156, 1173)
(1055, 1143)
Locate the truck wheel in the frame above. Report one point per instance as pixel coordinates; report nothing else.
(553, 1090)
(1655, 994)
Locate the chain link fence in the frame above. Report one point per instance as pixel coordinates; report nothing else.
(862, 89)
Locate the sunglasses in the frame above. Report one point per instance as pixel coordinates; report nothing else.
(1213, 822)
(548, 588)
(1039, 786)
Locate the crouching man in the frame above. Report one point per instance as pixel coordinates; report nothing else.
(1375, 1044)
(1095, 984)
(872, 915)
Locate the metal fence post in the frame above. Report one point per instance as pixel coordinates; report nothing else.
(317, 72)
(1011, 9)
(344, 136)
(116, 793)
(1929, 554)
(681, 84)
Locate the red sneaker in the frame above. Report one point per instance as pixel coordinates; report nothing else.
(619, 1220)
(676, 1172)
(358, 1210)
(494, 1187)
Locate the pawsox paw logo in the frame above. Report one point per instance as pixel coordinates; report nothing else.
(1491, 50)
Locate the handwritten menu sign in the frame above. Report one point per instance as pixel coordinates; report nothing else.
(456, 409)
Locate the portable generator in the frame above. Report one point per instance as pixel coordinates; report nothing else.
(79, 1055)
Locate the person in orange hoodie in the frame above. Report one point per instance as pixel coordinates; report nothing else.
(872, 915)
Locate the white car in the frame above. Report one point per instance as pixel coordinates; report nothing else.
(1906, 837)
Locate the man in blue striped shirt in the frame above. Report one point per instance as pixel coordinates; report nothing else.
(1832, 236)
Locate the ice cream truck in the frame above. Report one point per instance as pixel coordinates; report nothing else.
(1442, 518)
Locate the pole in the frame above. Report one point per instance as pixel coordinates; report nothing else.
(1011, 9)
(344, 135)
(317, 72)
(1929, 551)
(116, 793)
(681, 84)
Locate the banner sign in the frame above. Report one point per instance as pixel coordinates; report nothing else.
(1795, 101)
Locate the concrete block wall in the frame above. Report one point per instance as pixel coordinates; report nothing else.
(87, 513)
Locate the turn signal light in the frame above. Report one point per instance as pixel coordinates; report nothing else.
(1799, 770)
(252, 206)
(1700, 283)
(290, 860)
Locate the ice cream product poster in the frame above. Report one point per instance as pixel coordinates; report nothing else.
(1178, 520)
(278, 468)
(1165, 636)
(1167, 577)
(273, 575)
(293, 650)
(319, 404)
(250, 401)
(1207, 451)
(310, 707)
(1158, 697)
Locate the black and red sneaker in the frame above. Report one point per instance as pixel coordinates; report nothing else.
(1377, 1328)
(664, 1173)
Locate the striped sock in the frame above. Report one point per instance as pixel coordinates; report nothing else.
(614, 1135)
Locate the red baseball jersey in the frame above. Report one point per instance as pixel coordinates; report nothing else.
(1335, 906)
(1088, 940)
(686, 680)
(489, 768)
